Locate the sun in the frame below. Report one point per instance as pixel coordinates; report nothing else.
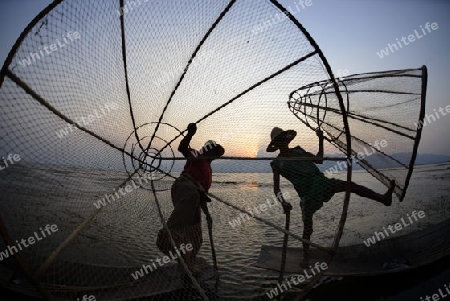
(240, 148)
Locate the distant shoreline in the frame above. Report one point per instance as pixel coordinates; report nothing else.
(256, 168)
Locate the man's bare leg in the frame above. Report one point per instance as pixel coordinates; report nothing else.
(365, 192)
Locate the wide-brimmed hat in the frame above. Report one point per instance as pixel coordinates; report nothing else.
(276, 135)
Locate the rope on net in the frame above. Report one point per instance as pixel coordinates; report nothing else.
(209, 220)
(237, 97)
(41, 271)
(88, 220)
(222, 14)
(348, 150)
(44, 267)
(127, 86)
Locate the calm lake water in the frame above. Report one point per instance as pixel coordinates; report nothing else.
(123, 234)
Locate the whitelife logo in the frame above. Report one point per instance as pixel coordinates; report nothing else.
(11, 250)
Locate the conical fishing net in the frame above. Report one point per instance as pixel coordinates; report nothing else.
(385, 112)
(96, 97)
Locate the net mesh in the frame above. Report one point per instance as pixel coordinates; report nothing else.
(385, 111)
(95, 99)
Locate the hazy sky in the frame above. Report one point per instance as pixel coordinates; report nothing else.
(350, 33)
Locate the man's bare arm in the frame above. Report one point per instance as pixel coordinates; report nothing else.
(184, 144)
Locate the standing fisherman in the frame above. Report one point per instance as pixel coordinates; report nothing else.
(189, 196)
(312, 186)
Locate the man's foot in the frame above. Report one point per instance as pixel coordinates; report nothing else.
(388, 195)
